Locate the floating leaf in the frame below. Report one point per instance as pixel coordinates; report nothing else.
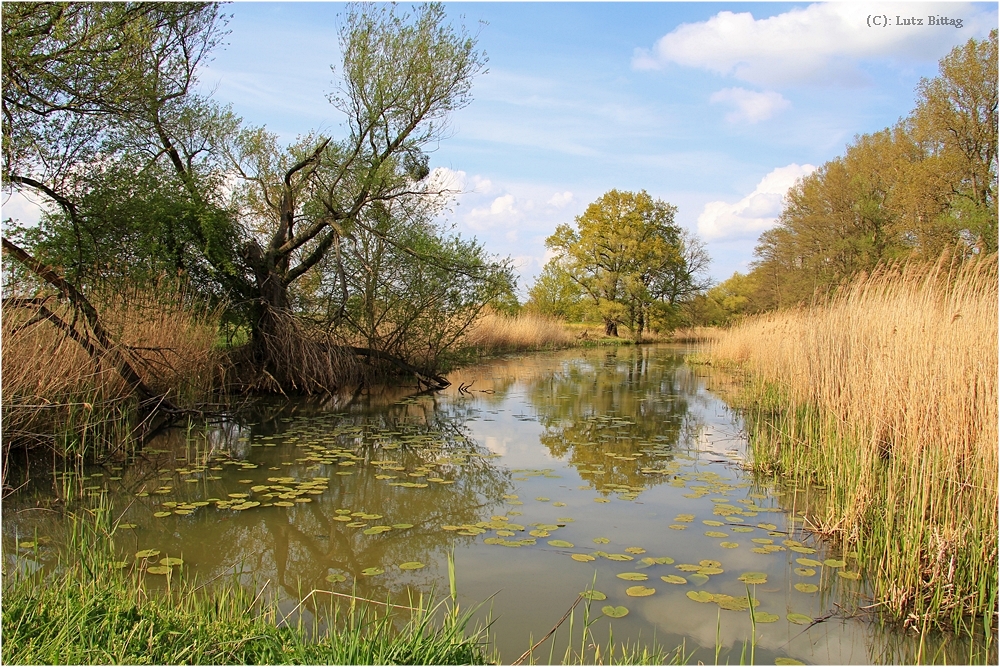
(371, 571)
(710, 571)
(336, 578)
(688, 567)
(542, 499)
(833, 562)
(808, 562)
(741, 529)
(712, 522)
(402, 526)
(28, 544)
(787, 661)
(171, 561)
(632, 576)
(799, 619)
(117, 564)
(126, 526)
(602, 500)
(635, 550)
(732, 603)
(853, 576)
(601, 540)
(762, 540)
(806, 588)
(698, 578)
(563, 544)
(160, 515)
(674, 579)
(729, 545)
(412, 565)
(709, 563)
(803, 550)
(639, 591)
(792, 543)
(677, 526)
(583, 558)
(158, 569)
(767, 526)
(805, 571)
(764, 617)
(147, 553)
(700, 596)
(619, 557)
(716, 533)
(614, 612)
(593, 595)
(753, 578)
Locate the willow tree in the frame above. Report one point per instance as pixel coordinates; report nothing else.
(258, 223)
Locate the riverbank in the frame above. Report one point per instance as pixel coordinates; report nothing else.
(887, 396)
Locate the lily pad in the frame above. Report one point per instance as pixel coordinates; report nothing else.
(677, 526)
(126, 526)
(799, 619)
(161, 515)
(698, 578)
(171, 561)
(716, 533)
(639, 591)
(603, 500)
(158, 569)
(805, 571)
(412, 565)
(854, 576)
(593, 595)
(767, 526)
(402, 526)
(806, 588)
(619, 557)
(802, 550)
(707, 571)
(147, 553)
(833, 562)
(753, 578)
(601, 540)
(632, 576)
(808, 562)
(583, 558)
(709, 563)
(542, 499)
(765, 617)
(712, 522)
(732, 602)
(684, 518)
(787, 661)
(614, 612)
(741, 529)
(371, 571)
(336, 578)
(729, 545)
(635, 550)
(674, 579)
(700, 596)
(762, 540)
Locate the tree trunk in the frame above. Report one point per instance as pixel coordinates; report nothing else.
(610, 328)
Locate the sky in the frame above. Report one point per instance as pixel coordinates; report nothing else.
(716, 108)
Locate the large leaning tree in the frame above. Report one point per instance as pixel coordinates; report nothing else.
(142, 175)
(631, 259)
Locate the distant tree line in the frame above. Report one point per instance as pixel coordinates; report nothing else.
(913, 190)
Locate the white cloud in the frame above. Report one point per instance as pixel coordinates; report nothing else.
(821, 43)
(754, 213)
(560, 199)
(751, 107)
(22, 208)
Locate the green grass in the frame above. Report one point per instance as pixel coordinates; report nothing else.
(89, 612)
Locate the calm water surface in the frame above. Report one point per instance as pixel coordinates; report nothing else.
(547, 474)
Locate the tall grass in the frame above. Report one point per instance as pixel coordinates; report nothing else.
(495, 333)
(92, 612)
(56, 392)
(887, 394)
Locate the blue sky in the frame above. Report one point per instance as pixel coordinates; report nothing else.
(714, 107)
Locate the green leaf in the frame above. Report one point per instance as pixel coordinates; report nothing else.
(639, 591)
(614, 612)
(632, 576)
(799, 619)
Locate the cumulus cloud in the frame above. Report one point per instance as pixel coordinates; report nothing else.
(754, 213)
(751, 107)
(560, 199)
(821, 43)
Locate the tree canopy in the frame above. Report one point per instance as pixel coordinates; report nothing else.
(628, 258)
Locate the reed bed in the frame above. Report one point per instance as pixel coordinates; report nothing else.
(494, 333)
(56, 392)
(887, 394)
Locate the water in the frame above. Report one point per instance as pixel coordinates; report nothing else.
(611, 455)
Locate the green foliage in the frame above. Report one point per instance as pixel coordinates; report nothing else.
(630, 260)
(915, 189)
(556, 293)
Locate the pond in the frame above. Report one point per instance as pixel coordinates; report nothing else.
(546, 475)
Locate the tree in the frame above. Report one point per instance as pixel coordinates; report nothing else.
(146, 174)
(556, 293)
(628, 254)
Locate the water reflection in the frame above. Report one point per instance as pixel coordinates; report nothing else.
(544, 474)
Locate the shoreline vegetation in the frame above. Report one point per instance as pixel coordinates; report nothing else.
(886, 394)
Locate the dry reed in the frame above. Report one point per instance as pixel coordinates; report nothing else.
(53, 388)
(494, 333)
(887, 394)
